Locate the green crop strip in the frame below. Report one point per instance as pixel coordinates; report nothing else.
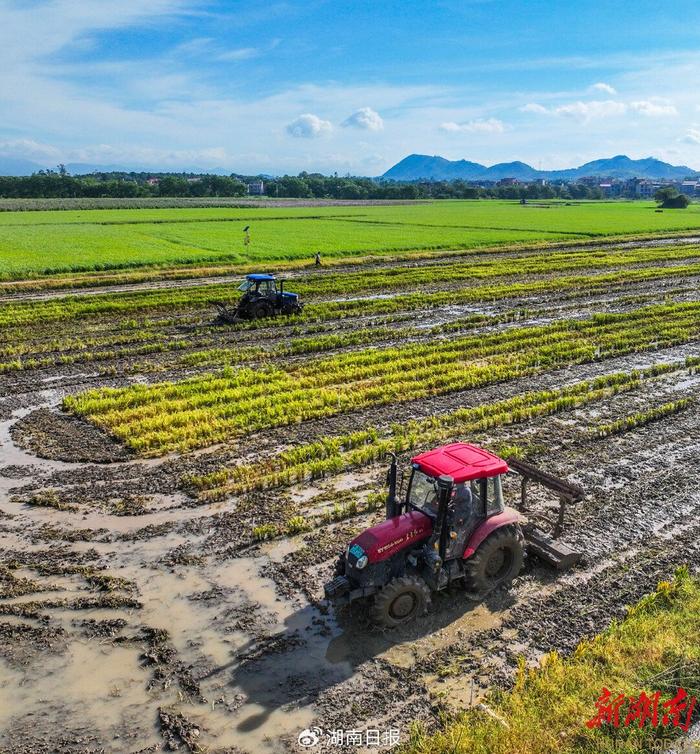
(154, 419)
(336, 454)
(65, 308)
(641, 418)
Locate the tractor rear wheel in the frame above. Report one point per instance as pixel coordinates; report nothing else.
(260, 311)
(400, 601)
(497, 561)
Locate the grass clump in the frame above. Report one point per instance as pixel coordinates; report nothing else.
(265, 531)
(50, 499)
(654, 649)
(296, 525)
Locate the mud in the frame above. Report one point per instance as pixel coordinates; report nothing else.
(168, 625)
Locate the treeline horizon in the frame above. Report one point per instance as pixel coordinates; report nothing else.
(60, 185)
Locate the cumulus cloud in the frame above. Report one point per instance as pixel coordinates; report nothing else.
(583, 111)
(364, 118)
(692, 136)
(653, 109)
(492, 125)
(595, 109)
(308, 126)
(603, 87)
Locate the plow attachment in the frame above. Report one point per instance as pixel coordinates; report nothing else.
(225, 314)
(545, 546)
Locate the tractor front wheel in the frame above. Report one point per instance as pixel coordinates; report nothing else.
(497, 562)
(400, 601)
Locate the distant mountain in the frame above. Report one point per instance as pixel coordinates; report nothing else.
(419, 166)
(84, 168)
(17, 166)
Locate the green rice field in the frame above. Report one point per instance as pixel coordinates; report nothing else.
(35, 243)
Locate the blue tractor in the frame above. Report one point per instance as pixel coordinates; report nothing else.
(263, 296)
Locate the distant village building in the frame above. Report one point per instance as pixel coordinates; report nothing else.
(152, 181)
(690, 188)
(508, 182)
(611, 188)
(257, 188)
(647, 189)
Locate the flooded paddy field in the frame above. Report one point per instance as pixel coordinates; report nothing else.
(170, 508)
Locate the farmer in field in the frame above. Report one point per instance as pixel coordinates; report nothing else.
(317, 259)
(246, 235)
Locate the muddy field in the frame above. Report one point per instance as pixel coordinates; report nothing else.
(140, 612)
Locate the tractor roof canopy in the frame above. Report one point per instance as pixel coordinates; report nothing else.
(260, 276)
(461, 461)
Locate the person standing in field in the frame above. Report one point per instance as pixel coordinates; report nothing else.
(317, 258)
(246, 236)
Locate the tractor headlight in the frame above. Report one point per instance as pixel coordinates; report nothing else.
(361, 562)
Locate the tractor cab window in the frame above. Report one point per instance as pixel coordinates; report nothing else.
(487, 495)
(494, 500)
(479, 496)
(423, 493)
(261, 287)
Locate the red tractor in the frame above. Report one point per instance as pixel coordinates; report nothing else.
(452, 526)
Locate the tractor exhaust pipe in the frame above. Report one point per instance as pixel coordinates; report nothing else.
(436, 547)
(391, 481)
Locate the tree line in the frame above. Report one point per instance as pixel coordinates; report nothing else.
(59, 184)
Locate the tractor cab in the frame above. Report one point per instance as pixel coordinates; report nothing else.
(475, 493)
(259, 285)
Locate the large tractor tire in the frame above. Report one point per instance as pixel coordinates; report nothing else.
(497, 561)
(400, 601)
(261, 311)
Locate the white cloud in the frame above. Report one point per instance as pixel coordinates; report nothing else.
(653, 109)
(243, 53)
(609, 108)
(364, 118)
(586, 111)
(583, 111)
(29, 149)
(533, 107)
(692, 136)
(309, 126)
(100, 154)
(603, 87)
(492, 125)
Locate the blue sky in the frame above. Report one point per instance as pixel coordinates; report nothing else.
(347, 86)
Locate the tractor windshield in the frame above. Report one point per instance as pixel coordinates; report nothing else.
(423, 494)
(246, 285)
